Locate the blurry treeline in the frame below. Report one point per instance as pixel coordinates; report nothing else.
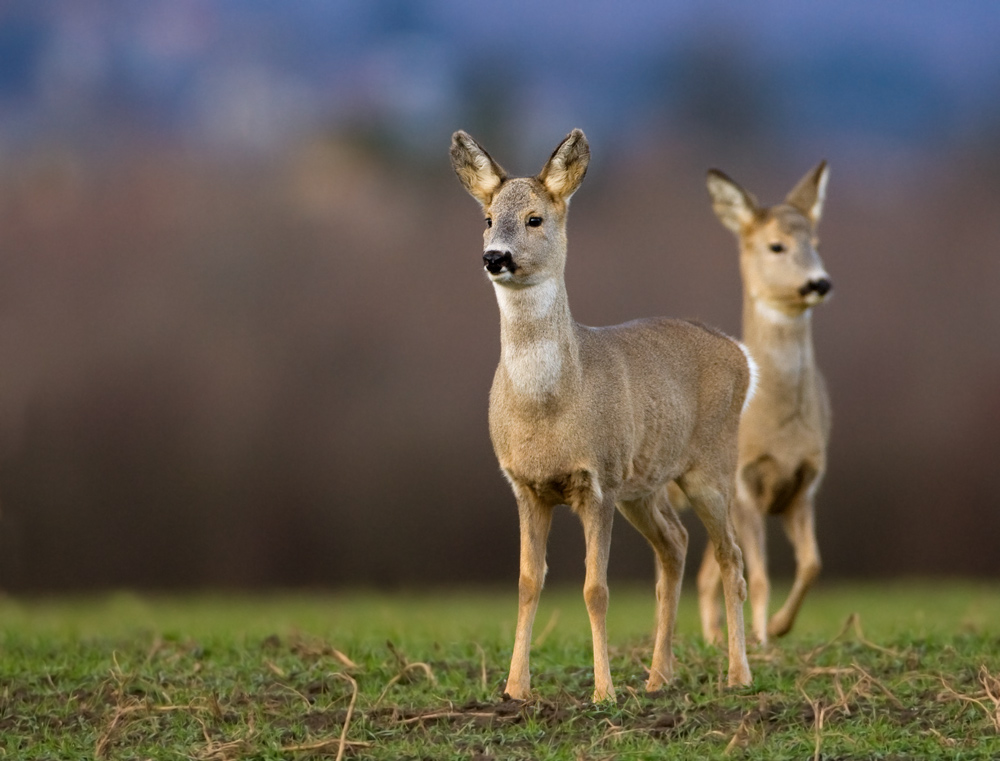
(245, 337)
(276, 371)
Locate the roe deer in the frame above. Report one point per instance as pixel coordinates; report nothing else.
(596, 418)
(784, 433)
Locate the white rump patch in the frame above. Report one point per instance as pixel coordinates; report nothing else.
(754, 374)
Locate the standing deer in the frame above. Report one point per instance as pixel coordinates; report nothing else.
(786, 428)
(599, 418)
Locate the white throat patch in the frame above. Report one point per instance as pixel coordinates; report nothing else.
(533, 302)
(772, 314)
(534, 366)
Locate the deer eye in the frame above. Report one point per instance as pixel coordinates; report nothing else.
(534, 221)
(777, 247)
(489, 222)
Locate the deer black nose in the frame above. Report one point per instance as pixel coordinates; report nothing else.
(496, 261)
(822, 286)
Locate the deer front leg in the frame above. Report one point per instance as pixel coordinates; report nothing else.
(801, 529)
(535, 519)
(597, 517)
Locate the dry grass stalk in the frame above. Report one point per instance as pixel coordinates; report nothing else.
(323, 745)
(853, 622)
(343, 659)
(482, 665)
(350, 713)
(435, 715)
(991, 685)
(406, 669)
(990, 692)
(130, 707)
(742, 735)
(216, 751)
(862, 688)
(819, 715)
(550, 625)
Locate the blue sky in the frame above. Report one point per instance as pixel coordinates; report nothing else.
(252, 74)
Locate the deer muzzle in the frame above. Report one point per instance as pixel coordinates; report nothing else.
(498, 261)
(821, 286)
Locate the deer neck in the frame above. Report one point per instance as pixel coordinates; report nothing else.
(781, 343)
(539, 350)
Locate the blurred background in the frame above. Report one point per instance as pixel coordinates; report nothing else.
(246, 339)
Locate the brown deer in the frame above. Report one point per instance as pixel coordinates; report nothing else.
(599, 418)
(785, 430)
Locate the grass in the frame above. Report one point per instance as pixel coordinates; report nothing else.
(889, 671)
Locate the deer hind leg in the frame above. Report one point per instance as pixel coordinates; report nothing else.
(750, 530)
(709, 579)
(749, 527)
(535, 519)
(655, 519)
(596, 513)
(710, 498)
(800, 527)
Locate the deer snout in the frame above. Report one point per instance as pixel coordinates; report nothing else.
(822, 286)
(497, 261)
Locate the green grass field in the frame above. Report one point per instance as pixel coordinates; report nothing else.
(875, 671)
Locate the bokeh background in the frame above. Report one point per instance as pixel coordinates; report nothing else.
(245, 337)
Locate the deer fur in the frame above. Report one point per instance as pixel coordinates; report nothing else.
(785, 431)
(599, 418)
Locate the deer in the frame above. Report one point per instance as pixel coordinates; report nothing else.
(599, 418)
(785, 430)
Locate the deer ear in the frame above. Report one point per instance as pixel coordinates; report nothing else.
(735, 207)
(566, 168)
(476, 169)
(809, 194)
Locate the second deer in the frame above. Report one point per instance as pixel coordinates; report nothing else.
(785, 430)
(599, 418)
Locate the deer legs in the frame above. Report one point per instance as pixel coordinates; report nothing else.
(801, 531)
(748, 520)
(656, 520)
(709, 578)
(711, 504)
(597, 518)
(535, 519)
(750, 530)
